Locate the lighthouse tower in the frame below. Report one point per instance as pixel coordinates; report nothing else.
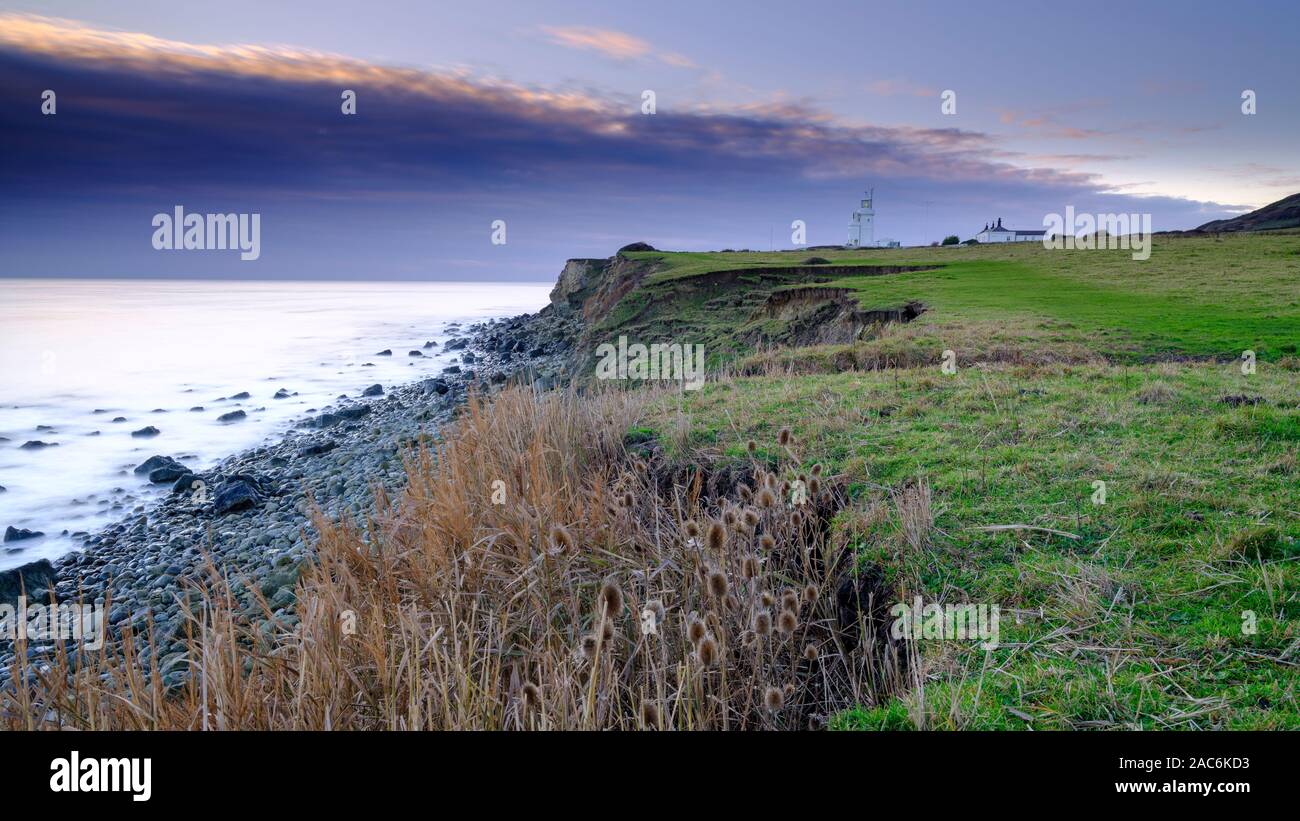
(862, 225)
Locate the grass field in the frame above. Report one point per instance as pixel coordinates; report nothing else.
(1172, 604)
(1201, 297)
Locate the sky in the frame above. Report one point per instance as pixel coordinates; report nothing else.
(533, 114)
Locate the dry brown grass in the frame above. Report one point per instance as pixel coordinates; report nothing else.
(450, 611)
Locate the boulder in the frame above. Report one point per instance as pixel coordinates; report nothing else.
(154, 462)
(374, 390)
(17, 534)
(35, 579)
(235, 495)
(233, 416)
(145, 432)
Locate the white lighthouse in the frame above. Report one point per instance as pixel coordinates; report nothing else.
(862, 225)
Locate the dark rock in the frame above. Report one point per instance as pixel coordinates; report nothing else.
(17, 534)
(385, 352)
(168, 473)
(438, 386)
(451, 369)
(431, 344)
(146, 431)
(37, 444)
(469, 357)
(242, 395)
(318, 447)
(154, 462)
(281, 394)
(34, 578)
(457, 344)
(196, 409)
(636, 246)
(119, 418)
(184, 483)
(233, 416)
(235, 495)
(354, 412)
(414, 353)
(374, 390)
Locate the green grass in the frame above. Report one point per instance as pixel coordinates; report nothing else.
(1201, 297)
(1074, 368)
(1138, 623)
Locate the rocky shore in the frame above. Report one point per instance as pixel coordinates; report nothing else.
(250, 513)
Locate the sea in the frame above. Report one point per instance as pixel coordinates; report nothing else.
(85, 363)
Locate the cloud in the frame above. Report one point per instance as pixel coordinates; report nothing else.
(894, 88)
(431, 156)
(616, 45)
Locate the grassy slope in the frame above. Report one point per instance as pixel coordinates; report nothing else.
(1141, 617)
(1198, 297)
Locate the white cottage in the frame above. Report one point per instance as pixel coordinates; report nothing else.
(994, 232)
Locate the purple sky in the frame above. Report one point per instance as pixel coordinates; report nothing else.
(531, 113)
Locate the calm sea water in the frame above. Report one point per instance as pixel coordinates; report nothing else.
(77, 354)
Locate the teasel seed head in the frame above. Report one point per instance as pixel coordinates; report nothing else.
(718, 585)
(532, 696)
(707, 650)
(692, 530)
(561, 539)
(695, 630)
(650, 714)
(606, 631)
(657, 607)
(732, 602)
(817, 469)
(749, 568)
(810, 652)
(610, 598)
(773, 699)
(729, 517)
(815, 486)
(763, 623)
(744, 493)
(766, 542)
(790, 599)
(588, 646)
(767, 598)
(809, 593)
(788, 622)
(784, 437)
(751, 446)
(717, 536)
(766, 498)
(751, 518)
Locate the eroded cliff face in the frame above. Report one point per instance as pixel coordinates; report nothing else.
(827, 316)
(728, 311)
(590, 288)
